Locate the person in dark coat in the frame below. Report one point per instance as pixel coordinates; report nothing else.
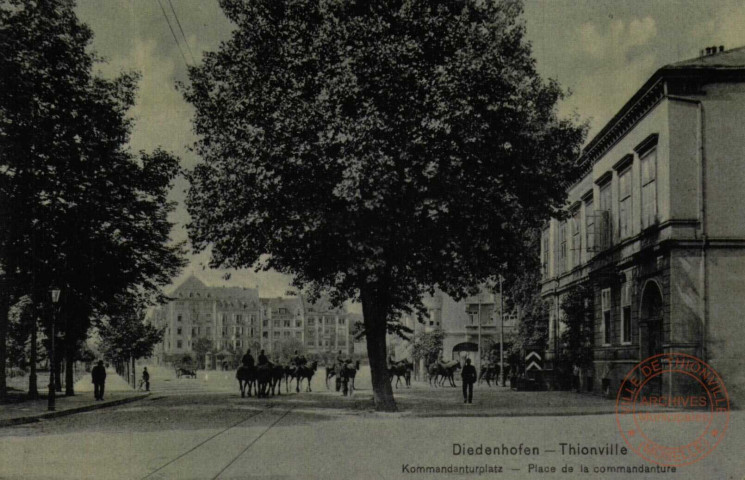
(469, 378)
(263, 360)
(146, 379)
(98, 375)
(248, 359)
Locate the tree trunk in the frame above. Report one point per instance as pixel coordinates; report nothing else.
(4, 306)
(374, 312)
(134, 374)
(33, 389)
(69, 373)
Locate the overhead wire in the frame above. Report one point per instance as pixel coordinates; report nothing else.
(175, 38)
(183, 35)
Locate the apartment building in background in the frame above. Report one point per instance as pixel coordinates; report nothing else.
(656, 226)
(235, 319)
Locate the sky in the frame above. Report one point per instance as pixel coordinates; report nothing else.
(601, 51)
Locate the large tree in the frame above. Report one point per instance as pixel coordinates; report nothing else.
(375, 150)
(80, 211)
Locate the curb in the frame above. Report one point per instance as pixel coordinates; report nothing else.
(9, 422)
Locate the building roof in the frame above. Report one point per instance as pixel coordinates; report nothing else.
(290, 303)
(193, 287)
(322, 305)
(727, 64)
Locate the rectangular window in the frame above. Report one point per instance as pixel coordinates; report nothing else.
(341, 321)
(239, 319)
(276, 334)
(562, 246)
(287, 324)
(605, 197)
(287, 334)
(576, 239)
(276, 324)
(265, 323)
(590, 225)
(606, 326)
(311, 322)
(626, 313)
(649, 188)
(624, 203)
(298, 335)
(193, 331)
(178, 331)
(298, 323)
(224, 318)
(178, 319)
(265, 334)
(179, 343)
(311, 342)
(544, 252)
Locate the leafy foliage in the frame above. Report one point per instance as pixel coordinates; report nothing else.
(427, 345)
(286, 347)
(80, 210)
(375, 150)
(577, 337)
(126, 335)
(525, 292)
(201, 347)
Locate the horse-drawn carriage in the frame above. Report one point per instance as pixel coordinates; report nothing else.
(185, 370)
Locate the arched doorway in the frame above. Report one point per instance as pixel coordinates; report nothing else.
(465, 350)
(650, 328)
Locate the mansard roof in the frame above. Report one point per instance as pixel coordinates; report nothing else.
(193, 287)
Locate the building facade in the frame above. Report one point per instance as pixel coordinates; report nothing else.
(234, 319)
(466, 324)
(656, 226)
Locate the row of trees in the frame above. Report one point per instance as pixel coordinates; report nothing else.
(80, 211)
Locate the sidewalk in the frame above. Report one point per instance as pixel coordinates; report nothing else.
(117, 392)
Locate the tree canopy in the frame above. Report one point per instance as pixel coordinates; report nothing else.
(375, 150)
(81, 211)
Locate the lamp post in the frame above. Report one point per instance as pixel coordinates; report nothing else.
(51, 398)
(478, 355)
(501, 332)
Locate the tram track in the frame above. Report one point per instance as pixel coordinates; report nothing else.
(221, 436)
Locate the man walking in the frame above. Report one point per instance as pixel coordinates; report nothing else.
(98, 375)
(469, 378)
(146, 379)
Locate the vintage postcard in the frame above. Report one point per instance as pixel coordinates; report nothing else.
(372, 239)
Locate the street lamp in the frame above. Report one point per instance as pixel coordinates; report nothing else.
(501, 331)
(51, 398)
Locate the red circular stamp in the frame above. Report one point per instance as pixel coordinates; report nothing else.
(672, 409)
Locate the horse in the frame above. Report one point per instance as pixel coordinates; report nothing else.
(264, 379)
(305, 372)
(246, 378)
(489, 372)
(401, 369)
(277, 373)
(444, 370)
(347, 374)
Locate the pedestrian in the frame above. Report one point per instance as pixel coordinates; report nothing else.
(146, 379)
(263, 360)
(98, 375)
(469, 378)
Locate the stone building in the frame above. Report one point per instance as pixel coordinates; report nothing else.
(235, 318)
(656, 226)
(459, 321)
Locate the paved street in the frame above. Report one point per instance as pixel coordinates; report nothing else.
(203, 429)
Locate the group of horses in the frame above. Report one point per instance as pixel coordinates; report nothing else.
(266, 380)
